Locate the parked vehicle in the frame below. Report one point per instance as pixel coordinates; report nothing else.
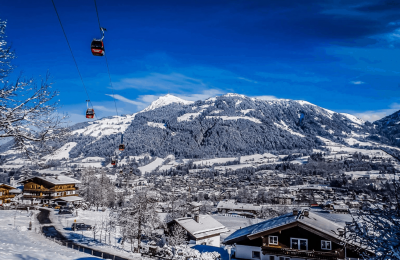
(64, 211)
(80, 226)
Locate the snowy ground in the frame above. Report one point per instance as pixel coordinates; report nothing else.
(107, 242)
(17, 242)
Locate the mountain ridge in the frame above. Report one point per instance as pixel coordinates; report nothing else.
(226, 125)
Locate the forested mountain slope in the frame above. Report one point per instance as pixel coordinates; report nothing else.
(389, 129)
(227, 125)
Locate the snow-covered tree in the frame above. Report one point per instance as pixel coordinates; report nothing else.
(138, 217)
(97, 188)
(28, 112)
(178, 236)
(377, 227)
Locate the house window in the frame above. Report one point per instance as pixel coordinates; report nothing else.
(271, 257)
(256, 254)
(273, 240)
(299, 243)
(326, 245)
(284, 258)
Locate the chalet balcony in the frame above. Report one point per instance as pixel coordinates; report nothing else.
(50, 190)
(37, 197)
(39, 190)
(301, 253)
(7, 196)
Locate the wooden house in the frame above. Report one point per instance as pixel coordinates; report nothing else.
(5, 195)
(40, 190)
(297, 235)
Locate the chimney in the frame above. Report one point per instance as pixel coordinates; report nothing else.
(295, 212)
(305, 212)
(197, 218)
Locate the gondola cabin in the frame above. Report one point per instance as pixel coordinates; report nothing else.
(113, 162)
(121, 147)
(97, 47)
(90, 113)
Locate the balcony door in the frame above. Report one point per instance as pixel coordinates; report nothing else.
(299, 243)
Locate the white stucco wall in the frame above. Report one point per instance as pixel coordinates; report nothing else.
(246, 252)
(211, 241)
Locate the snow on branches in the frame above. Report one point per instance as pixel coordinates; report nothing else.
(377, 227)
(28, 113)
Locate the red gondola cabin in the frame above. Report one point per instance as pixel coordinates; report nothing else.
(121, 147)
(113, 162)
(90, 113)
(97, 47)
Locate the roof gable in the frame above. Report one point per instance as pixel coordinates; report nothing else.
(313, 222)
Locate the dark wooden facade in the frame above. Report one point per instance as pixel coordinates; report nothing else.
(313, 249)
(5, 195)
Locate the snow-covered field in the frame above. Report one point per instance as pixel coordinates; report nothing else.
(151, 166)
(17, 242)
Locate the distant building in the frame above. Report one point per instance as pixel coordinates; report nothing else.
(39, 190)
(225, 206)
(203, 229)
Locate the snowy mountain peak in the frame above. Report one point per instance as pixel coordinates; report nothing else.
(166, 100)
(234, 95)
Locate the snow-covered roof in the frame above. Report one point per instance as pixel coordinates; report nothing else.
(57, 180)
(206, 226)
(8, 186)
(315, 221)
(233, 205)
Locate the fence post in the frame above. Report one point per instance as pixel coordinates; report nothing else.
(92, 251)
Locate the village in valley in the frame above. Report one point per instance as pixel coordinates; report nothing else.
(244, 207)
(180, 130)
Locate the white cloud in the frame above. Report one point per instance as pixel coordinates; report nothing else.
(359, 82)
(144, 101)
(378, 114)
(201, 96)
(104, 109)
(160, 82)
(248, 80)
(266, 97)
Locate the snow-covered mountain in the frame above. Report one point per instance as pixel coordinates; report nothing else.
(389, 128)
(228, 125)
(166, 100)
(231, 124)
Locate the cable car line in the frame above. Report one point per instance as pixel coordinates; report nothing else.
(105, 55)
(72, 54)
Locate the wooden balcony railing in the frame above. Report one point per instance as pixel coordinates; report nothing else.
(8, 196)
(50, 190)
(300, 253)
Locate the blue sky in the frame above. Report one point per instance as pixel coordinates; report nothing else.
(341, 55)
